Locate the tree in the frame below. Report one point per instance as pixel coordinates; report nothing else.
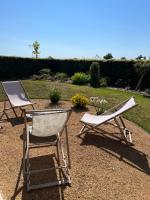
(36, 47)
(141, 68)
(123, 58)
(108, 56)
(95, 74)
(50, 58)
(97, 56)
(140, 57)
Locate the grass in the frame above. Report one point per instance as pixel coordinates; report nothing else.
(140, 114)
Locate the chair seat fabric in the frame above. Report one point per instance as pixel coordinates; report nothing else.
(99, 119)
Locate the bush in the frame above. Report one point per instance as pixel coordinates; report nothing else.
(80, 78)
(79, 101)
(61, 76)
(36, 77)
(55, 95)
(95, 74)
(44, 77)
(103, 82)
(23, 68)
(44, 71)
(121, 83)
(147, 91)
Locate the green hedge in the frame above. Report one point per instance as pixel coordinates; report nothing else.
(18, 68)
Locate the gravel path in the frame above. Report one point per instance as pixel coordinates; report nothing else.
(102, 166)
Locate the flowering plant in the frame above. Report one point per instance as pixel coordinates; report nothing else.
(79, 100)
(99, 104)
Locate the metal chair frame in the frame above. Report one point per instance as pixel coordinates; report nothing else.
(64, 169)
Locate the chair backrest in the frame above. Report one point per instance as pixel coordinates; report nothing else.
(127, 105)
(15, 92)
(48, 123)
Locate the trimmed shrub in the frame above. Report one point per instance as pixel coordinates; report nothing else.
(55, 95)
(44, 71)
(103, 82)
(61, 76)
(36, 77)
(12, 68)
(95, 74)
(79, 101)
(80, 78)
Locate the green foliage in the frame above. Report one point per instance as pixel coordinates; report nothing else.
(108, 56)
(40, 90)
(99, 104)
(140, 57)
(44, 74)
(121, 83)
(80, 78)
(61, 76)
(147, 91)
(103, 82)
(23, 68)
(36, 77)
(44, 71)
(123, 58)
(79, 101)
(95, 74)
(142, 67)
(54, 95)
(36, 47)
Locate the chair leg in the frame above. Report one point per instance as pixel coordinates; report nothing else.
(68, 150)
(124, 131)
(59, 162)
(4, 113)
(66, 173)
(128, 133)
(15, 112)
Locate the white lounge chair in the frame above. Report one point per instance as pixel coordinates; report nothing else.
(92, 122)
(16, 95)
(47, 125)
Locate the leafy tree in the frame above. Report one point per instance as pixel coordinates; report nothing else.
(141, 68)
(50, 58)
(97, 56)
(36, 47)
(108, 56)
(140, 57)
(123, 58)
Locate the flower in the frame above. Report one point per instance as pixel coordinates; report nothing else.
(99, 104)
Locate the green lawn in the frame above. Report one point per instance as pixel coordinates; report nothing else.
(140, 114)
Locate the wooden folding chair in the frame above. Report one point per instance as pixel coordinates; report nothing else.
(16, 96)
(113, 117)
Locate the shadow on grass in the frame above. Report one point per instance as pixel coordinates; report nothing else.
(55, 193)
(123, 152)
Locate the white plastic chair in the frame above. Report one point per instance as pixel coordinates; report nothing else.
(93, 122)
(48, 125)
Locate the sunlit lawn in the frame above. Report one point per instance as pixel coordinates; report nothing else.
(140, 114)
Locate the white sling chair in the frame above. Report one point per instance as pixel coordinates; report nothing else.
(92, 122)
(16, 95)
(48, 125)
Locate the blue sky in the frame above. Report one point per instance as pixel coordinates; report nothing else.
(75, 28)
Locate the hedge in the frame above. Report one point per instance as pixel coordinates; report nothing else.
(19, 68)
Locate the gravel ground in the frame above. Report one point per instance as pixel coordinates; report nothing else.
(102, 166)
